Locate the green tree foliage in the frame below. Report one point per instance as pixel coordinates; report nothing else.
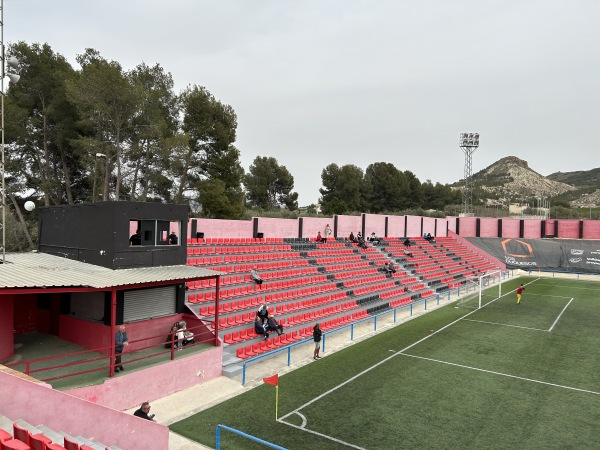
(40, 125)
(390, 188)
(107, 101)
(210, 127)
(344, 189)
(269, 185)
(155, 122)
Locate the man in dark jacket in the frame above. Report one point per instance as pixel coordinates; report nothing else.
(260, 329)
(143, 412)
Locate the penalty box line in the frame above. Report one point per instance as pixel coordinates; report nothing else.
(367, 370)
(516, 377)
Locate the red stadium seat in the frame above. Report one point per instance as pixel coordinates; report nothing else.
(21, 433)
(39, 441)
(14, 444)
(70, 444)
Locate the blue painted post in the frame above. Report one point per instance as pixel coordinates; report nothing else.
(352, 332)
(411, 309)
(395, 310)
(289, 351)
(244, 373)
(375, 323)
(323, 345)
(425, 305)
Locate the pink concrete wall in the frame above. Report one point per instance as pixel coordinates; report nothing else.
(312, 225)
(488, 227)
(591, 229)
(347, 224)
(511, 228)
(568, 228)
(7, 340)
(374, 223)
(550, 227)
(93, 335)
(222, 228)
(396, 226)
(429, 225)
(532, 228)
(413, 226)
(451, 224)
(279, 228)
(468, 226)
(132, 388)
(40, 404)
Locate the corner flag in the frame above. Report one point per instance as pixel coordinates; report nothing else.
(274, 381)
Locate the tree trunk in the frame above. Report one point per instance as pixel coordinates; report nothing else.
(22, 220)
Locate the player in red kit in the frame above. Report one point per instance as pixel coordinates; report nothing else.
(520, 290)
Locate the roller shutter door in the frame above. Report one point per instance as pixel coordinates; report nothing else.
(143, 304)
(88, 305)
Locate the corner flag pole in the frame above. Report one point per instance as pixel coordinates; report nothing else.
(274, 381)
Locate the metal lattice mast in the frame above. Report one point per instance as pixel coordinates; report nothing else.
(10, 67)
(469, 142)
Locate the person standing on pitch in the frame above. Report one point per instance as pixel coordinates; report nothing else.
(520, 290)
(317, 338)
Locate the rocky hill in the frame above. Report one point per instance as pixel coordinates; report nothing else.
(513, 178)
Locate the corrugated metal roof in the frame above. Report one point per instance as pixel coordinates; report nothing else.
(36, 270)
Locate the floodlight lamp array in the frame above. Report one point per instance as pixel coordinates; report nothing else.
(469, 140)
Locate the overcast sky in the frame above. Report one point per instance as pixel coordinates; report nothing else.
(355, 81)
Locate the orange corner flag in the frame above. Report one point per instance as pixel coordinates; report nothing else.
(272, 380)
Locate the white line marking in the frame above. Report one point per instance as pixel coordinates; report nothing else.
(349, 380)
(529, 294)
(574, 287)
(505, 325)
(304, 421)
(506, 375)
(323, 435)
(561, 313)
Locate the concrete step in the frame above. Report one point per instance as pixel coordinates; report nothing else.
(232, 370)
(31, 428)
(51, 434)
(6, 424)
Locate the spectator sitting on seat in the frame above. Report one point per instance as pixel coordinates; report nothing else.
(392, 267)
(319, 238)
(361, 242)
(407, 242)
(374, 239)
(259, 328)
(171, 337)
(274, 325)
(186, 336)
(143, 411)
(255, 277)
(263, 313)
(351, 238)
(385, 268)
(408, 253)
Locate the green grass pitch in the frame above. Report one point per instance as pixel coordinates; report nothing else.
(503, 376)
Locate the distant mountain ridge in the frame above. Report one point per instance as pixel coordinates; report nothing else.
(511, 177)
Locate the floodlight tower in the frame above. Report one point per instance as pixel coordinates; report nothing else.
(9, 69)
(469, 142)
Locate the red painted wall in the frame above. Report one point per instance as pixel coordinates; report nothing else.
(7, 342)
(488, 227)
(532, 228)
(39, 403)
(279, 228)
(347, 224)
(312, 225)
(429, 225)
(374, 223)
(413, 226)
(468, 226)
(550, 227)
(568, 228)
(222, 228)
(396, 226)
(511, 228)
(591, 229)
